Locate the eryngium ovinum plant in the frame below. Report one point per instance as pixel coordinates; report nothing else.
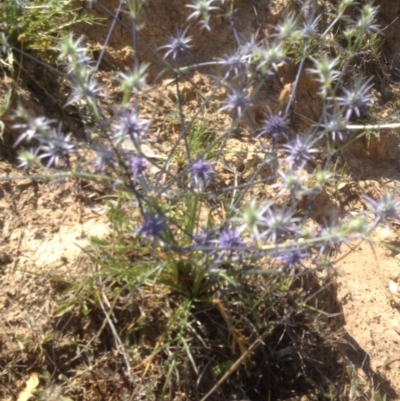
(185, 220)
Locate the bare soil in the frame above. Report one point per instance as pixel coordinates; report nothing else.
(45, 224)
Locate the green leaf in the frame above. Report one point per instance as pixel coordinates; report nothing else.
(63, 309)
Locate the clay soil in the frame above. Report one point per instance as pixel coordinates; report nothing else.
(45, 223)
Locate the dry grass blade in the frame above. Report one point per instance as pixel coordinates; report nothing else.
(119, 345)
(238, 362)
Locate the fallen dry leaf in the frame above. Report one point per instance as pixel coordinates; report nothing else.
(31, 385)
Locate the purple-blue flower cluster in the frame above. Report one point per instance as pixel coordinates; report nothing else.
(257, 209)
